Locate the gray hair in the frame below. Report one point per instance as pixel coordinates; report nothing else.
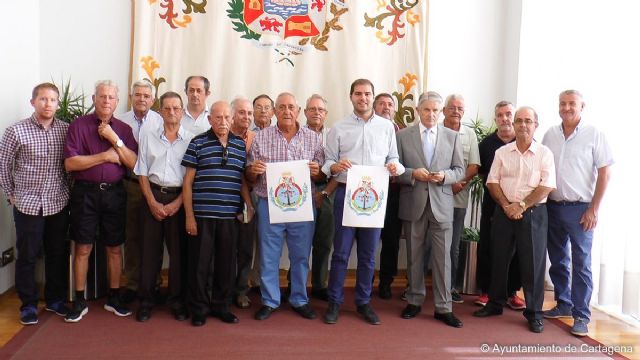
(142, 83)
(107, 83)
(502, 104)
(571, 92)
(316, 96)
(236, 101)
(429, 96)
(287, 94)
(521, 108)
(452, 97)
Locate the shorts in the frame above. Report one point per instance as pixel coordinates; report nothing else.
(98, 212)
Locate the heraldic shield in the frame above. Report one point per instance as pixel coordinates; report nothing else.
(285, 18)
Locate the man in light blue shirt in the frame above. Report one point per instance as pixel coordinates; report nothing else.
(582, 157)
(162, 217)
(363, 138)
(140, 117)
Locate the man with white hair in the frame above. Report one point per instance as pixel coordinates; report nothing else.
(141, 98)
(99, 150)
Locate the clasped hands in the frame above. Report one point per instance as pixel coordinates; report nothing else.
(513, 211)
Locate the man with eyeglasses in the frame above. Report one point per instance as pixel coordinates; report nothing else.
(453, 112)
(140, 115)
(521, 177)
(362, 138)
(263, 111)
(195, 115)
(162, 215)
(316, 114)
(384, 106)
(212, 192)
(287, 141)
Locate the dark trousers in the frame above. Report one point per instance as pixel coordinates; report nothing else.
(36, 234)
(216, 241)
(390, 237)
(246, 240)
(154, 236)
(529, 237)
(483, 271)
(322, 242)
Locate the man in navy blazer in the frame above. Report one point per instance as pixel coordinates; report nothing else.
(432, 156)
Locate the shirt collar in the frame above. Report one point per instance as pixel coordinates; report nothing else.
(423, 128)
(357, 118)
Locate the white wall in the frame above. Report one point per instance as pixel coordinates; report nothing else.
(585, 45)
(19, 62)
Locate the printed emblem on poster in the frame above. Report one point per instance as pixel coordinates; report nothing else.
(365, 200)
(289, 187)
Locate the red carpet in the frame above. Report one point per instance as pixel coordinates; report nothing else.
(285, 335)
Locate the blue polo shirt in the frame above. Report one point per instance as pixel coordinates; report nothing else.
(217, 183)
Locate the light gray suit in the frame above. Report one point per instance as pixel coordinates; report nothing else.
(427, 209)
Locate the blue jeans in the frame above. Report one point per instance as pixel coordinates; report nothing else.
(367, 241)
(299, 236)
(572, 289)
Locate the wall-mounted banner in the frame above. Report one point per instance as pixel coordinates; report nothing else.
(252, 47)
(289, 187)
(365, 198)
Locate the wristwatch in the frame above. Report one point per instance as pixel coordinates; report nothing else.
(325, 194)
(119, 143)
(523, 205)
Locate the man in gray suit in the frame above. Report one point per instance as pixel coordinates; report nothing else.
(432, 156)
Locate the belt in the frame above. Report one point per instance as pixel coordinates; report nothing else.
(566, 203)
(342, 185)
(166, 189)
(104, 186)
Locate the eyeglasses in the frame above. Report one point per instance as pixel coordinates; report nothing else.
(524, 121)
(262, 108)
(225, 156)
(317, 110)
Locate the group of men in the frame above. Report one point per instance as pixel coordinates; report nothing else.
(194, 179)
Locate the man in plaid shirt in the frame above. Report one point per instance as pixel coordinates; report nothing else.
(33, 179)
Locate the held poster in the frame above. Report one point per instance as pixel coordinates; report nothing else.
(365, 198)
(289, 191)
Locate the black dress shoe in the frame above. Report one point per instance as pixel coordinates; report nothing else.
(143, 314)
(536, 325)
(410, 311)
(225, 316)
(320, 294)
(198, 320)
(305, 311)
(449, 319)
(264, 312)
(369, 315)
(384, 291)
(180, 314)
(487, 311)
(331, 316)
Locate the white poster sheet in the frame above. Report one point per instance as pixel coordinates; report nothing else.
(289, 192)
(365, 198)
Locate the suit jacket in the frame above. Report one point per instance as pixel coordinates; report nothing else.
(447, 157)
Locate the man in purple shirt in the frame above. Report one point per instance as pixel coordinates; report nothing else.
(98, 151)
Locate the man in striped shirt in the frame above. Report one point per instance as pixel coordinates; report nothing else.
(34, 181)
(286, 141)
(211, 192)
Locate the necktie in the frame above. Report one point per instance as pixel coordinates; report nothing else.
(427, 146)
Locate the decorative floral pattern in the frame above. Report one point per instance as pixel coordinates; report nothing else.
(394, 10)
(172, 18)
(405, 114)
(150, 65)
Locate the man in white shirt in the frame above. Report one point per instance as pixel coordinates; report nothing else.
(140, 116)
(195, 118)
(583, 157)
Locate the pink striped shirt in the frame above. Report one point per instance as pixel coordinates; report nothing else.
(520, 173)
